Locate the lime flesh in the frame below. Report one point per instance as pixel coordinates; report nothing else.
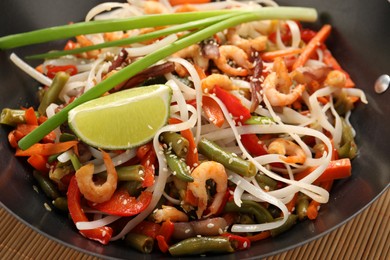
(124, 119)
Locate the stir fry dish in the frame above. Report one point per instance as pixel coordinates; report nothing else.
(186, 127)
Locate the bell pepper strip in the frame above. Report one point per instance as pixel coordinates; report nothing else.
(13, 138)
(101, 234)
(253, 144)
(52, 70)
(165, 234)
(147, 228)
(238, 242)
(25, 129)
(213, 111)
(31, 117)
(291, 204)
(307, 35)
(192, 158)
(233, 104)
(337, 169)
(39, 163)
(122, 204)
(312, 209)
(143, 150)
(46, 149)
(259, 236)
(148, 162)
(70, 45)
(312, 45)
(183, 2)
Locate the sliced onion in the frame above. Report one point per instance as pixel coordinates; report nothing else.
(85, 225)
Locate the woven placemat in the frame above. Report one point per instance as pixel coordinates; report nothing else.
(367, 236)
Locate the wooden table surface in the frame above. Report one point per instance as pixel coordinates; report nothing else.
(366, 236)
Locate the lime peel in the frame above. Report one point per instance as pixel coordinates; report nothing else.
(122, 120)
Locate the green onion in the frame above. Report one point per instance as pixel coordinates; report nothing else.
(296, 13)
(70, 30)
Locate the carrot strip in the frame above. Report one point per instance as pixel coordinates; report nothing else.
(332, 62)
(291, 204)
(31, 117)
(311, 47)
(46, 149)
(271, 55)
(213, 111)
(39, 163)
(260, 236)
(312, 209)
(192, 156)
(182, 2)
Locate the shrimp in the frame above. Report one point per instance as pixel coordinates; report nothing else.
(192, 52)
(248, 45)
(171, 213)
(335, 78)
(278, 86)
(238, 56)
(220, 80)
(294, 152)
(202, 173)
(92, 191)
(85, 42)
(153, 7)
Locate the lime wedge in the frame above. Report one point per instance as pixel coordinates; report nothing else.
(123, 119)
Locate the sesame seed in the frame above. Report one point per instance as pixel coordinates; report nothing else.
(230, 160)
(35, 188)
(245, 245)
(104, 233)
(210, 225)
(220, 231)
(47, 207)
(187, 231)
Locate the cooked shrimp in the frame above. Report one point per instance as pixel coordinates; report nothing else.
(284, 79)
(294, 152)
(92, 191)
(248, 45)
(220, 80)
(85, 42)
(206, 171)
(171, 213)
(238, 56)
(192, 52)
(335, 78)
(153, 7)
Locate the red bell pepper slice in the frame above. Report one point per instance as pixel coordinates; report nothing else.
(147, 228)
(122, 204)
(238, 242)
(253, 144)
(52, 70)
(148, 162)
(165, 235)
(101, 234)
(233, 104)
(39, 163)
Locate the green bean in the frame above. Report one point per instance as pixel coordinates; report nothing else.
(179, 168)
(64, 137)
(128, 173)
(302, 205)
(266, 182)
(46, 185)
(61, 203)
(231, 161)
(342, 103)
(201, 245)
(260, 213)
(52, 157)
(13, 117)
(140, 242)
(75, 161)
(290, 222)
(178, 143)
(51, 95)
(348, 147)
(259, 120)
(133, 188)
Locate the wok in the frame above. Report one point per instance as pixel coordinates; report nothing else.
(359, 40)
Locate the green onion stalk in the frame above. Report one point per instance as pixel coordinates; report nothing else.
(233, 18)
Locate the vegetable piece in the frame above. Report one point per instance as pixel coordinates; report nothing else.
(31, 117)
(260, 213)
(259, 236)
(312, 209)
(61, 203)
(201, 245)
(337, 169)
(147, 228)
(311, 47)
(348, 148)
(46, 149)
(53, 70)
(204, 227)
(51, 95)
(101, 234)
(46, 185)
(213, 111)
(128, 173)
(165, 234)
(233, 104)
(192, 154)
(140, 242)
(178, 143)
(179, 168)
(238, 242)
(302, 205)
(182, 2)
(305, 14)
(148, 162)
(232, 162)
(266, 182)
(271, 55)
(122, 204)
(39, 162)
(253, 144)
(13, 117)
(290, 222)
(331, 61)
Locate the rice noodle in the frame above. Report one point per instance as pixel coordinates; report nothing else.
(144, 50)
(85, 225)
(30, 71)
